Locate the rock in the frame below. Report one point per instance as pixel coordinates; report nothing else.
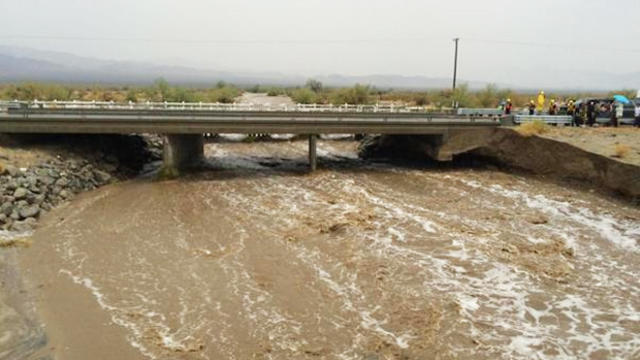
(20, 193)
(101, 176)
(3, 218)
(62, 182)
(14, 215)
(29, 211)
(85, 175)
(72, 164)
(65, 194)
(11, 171)
(6, 208)
(31, 181)
(39, 199)
(25, 225)
(46, 179)
(54, 174)
(12, 185)
(31, 197)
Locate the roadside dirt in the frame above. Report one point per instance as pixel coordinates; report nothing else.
(264, 99)
(602, 141)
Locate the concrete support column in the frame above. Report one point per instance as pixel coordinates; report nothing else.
(181, 152)
(313, 139)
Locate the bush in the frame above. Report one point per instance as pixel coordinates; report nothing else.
(226, 94)
(357, 95)
(304, 96)
(314, 85)
(535, 127)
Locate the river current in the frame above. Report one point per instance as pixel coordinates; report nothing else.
(257, 259)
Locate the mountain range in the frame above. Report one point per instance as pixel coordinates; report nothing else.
(19, 64)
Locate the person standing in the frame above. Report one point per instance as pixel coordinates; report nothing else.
(591, 113)
(541, 102)
(571, 111)
(582, 118)
(636, 121)
(508, 107)
(571, 108)
(613, 114)
(553, 108)
(532, 107)
(619, 110)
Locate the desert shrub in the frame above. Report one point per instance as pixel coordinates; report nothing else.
(162, 88)
(304, 96)
(535, 127)
(131, 96)
(314, 85)
(357, 95)
(226, 94)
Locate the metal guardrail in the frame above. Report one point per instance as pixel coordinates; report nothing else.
(202, 106)
(479, 112)
(175, 122)
(549, 119)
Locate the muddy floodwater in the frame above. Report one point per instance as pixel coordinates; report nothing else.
(256, 259)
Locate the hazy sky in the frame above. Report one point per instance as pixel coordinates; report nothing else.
(501, 40)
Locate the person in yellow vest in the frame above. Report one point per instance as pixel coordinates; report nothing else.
(541, 101)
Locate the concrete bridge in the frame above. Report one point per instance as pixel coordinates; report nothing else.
(183, 125)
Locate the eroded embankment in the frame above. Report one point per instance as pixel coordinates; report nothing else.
(536, 154)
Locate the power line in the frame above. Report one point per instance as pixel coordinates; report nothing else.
(585, 47)
(210, 41)
(550, 45)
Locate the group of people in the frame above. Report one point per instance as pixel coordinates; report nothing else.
(583, 114)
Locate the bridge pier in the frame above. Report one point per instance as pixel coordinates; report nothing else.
(313, 140)
(181, 152)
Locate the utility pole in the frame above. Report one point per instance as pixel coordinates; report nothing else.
(455, 64)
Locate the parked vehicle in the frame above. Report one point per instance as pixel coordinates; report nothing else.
(604, 108)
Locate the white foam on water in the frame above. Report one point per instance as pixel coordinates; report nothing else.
(618, 231)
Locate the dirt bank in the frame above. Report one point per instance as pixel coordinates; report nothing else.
(559, 154)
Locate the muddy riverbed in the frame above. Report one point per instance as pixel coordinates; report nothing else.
(256, 259)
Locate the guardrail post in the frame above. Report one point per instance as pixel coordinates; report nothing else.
(313, 139)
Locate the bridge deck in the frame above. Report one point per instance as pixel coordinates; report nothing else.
(123, 121)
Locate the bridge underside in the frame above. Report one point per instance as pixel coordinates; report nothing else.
(182, 130)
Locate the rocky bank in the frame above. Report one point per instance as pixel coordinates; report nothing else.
(80, 163)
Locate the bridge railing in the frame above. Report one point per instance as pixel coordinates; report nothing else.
(204, 106)
(549, 119)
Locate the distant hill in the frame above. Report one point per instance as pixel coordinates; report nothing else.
(25, 64)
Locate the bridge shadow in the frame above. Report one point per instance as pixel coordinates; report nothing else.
(231, 167)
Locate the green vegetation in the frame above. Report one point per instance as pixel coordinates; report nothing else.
(312, 92)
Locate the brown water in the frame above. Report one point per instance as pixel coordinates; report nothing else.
(259, 260)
